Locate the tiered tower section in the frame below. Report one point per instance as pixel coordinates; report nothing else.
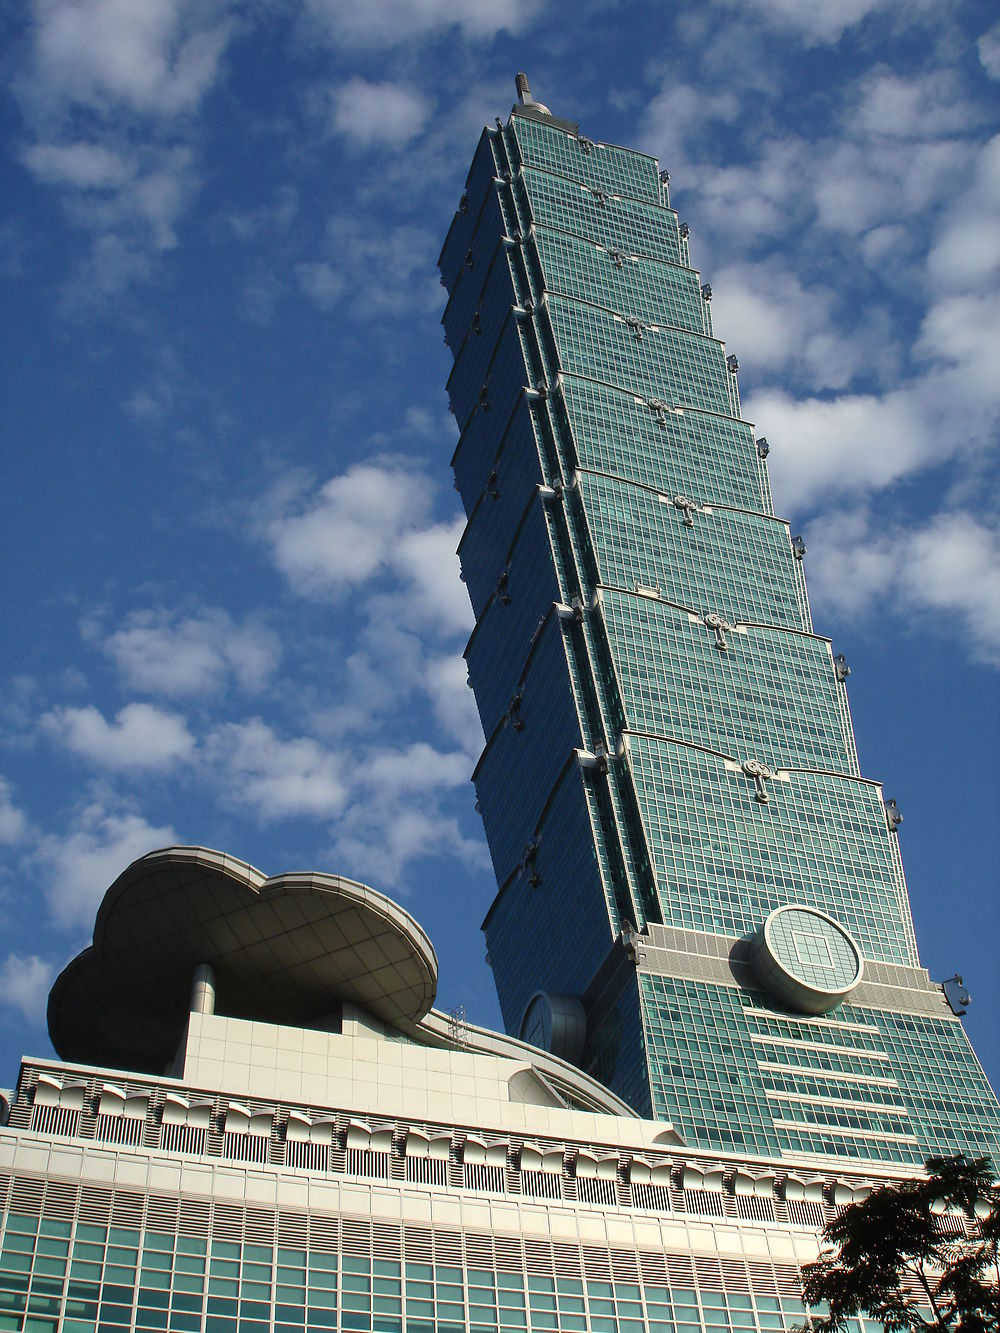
(701, 900)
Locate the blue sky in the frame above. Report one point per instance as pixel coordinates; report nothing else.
(232, 607)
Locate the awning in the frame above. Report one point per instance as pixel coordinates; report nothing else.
(810, 1190)
(496, 1154)
(260, 1124)
(73, 1096)
(845, 1192)
(746, 1184)
(694, 1179)
(607, 1168)
(298, 1128)
(531, 1157)
(199, 1115)
(552, 1162)
(321, 1130)
(112, 1100)
(237, 1118)
(586, 1166)
(47, 1091)
(175, 1109)
(640, 1172)
(359, 1135)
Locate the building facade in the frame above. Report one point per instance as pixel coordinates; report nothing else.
(700, 898)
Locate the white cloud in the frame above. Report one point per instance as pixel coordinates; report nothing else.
(964, 332)
(953, 564)
(381, 802)
(849, 568)
(380, 23)
(128, 199)
(369, 532)
(142, 737)
(140, 194)
(279, 779)
(471, 102)
(24, 984)
(859, 184)
(757, 200)
(966, 249)
(378, 679)
(846, 172)
(84, 166)
(161, 652)
(159, 196)
(856, 444)
(886, 244)
(261, 292)
(370, 523)
(425, 559)
(417, 768)
(112, 265)
(776, 324)
(91, 70)
(377, 846)
(395, 815)
(446, 681)
(274, 217)
(931, 105)
(13, 823)
(847, 445)
(377, 114)
(321, 283)
(150, 403)
(79, 867)
(348, 533)
(150, 56)
(948, 566)
(989, 51)
(390, 268)
(817, 22)
(968, 252)
(680, 114)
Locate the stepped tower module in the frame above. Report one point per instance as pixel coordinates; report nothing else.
(700, 898)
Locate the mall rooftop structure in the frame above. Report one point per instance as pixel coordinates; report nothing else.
(258, 1121)
(204, 969)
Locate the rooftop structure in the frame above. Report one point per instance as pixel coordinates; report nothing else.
(190, 925)
(700, 897)
(331, 1155)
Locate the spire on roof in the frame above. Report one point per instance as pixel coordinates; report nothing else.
(524, 94)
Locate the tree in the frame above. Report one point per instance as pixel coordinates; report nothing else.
(890, 1258)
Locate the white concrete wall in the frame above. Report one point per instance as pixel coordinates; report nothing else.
(368, 1074)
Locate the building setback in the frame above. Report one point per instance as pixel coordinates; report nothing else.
(257, 1119)
(700, 898)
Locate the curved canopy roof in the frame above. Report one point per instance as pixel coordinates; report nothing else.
(288, 949)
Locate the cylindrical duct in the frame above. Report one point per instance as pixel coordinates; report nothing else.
(203, 990)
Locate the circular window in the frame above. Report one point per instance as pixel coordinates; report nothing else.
(555, 1023)
(806, 959)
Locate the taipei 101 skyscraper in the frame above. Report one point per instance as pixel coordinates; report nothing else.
(700, 898)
